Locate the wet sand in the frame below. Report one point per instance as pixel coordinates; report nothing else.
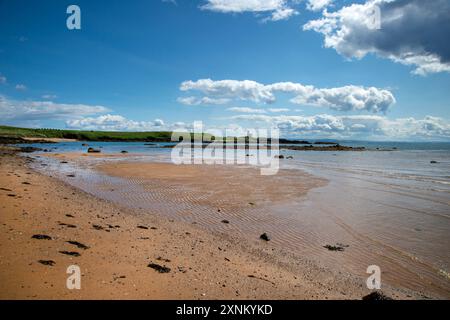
(123, 242)
(224, 186)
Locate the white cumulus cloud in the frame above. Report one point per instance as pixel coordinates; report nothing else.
(196, 101)
(355, 126)
(411, 32)
(347, 98)
(316, 5)
(277, 9)
(44, 110)
(111, 122)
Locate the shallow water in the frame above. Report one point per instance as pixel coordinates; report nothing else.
(392, 209)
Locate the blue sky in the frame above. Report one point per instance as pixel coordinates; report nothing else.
(125, 68)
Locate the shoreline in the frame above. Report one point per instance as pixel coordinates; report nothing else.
(203, 265)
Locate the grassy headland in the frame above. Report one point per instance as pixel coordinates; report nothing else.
(15, 132)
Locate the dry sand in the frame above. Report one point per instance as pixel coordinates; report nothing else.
(115, 266)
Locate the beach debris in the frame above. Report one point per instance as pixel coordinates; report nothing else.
(78, 244)
(47, 262)
(337, 247)
(279, 156)
(162, 259)
(142, 227)
(289, 157)
(376, 296)
(159, 268)
(71, 175)
(259, 278)
(123, 151)
(251, 203)
(264, 237)
(70, 253)
(41, 237)
(68, 225)
(225, 221)
(11, 195)
(433, 161)
(63, 162)
(69, 215)
(5, 189)
(92, 150)
(26, 182)
(97, 227)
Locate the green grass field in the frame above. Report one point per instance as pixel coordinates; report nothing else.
(150, 136)
(15, 132)
(90, 135)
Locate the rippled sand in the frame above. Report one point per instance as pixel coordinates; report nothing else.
(301, 212)
(121, 242)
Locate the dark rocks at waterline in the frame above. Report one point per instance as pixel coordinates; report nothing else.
(376, 296)
(325, 142)
(92, 150)
(336, 147)
(433, 162)
(41, 237)
(279, 156)
(47, 262)
(264, 237)
(159, 268)
(289, 157)
(70, 253)
(123, 151)
(29, 149)
(78, 244)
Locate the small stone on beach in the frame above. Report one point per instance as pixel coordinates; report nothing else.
(78, 244)
(47, 262)
(92, 150)
(160, 269)
(375, 296)
(70, 253)
(264, 237)
(41, 237)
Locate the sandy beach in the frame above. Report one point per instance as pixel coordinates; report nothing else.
(115, 245)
